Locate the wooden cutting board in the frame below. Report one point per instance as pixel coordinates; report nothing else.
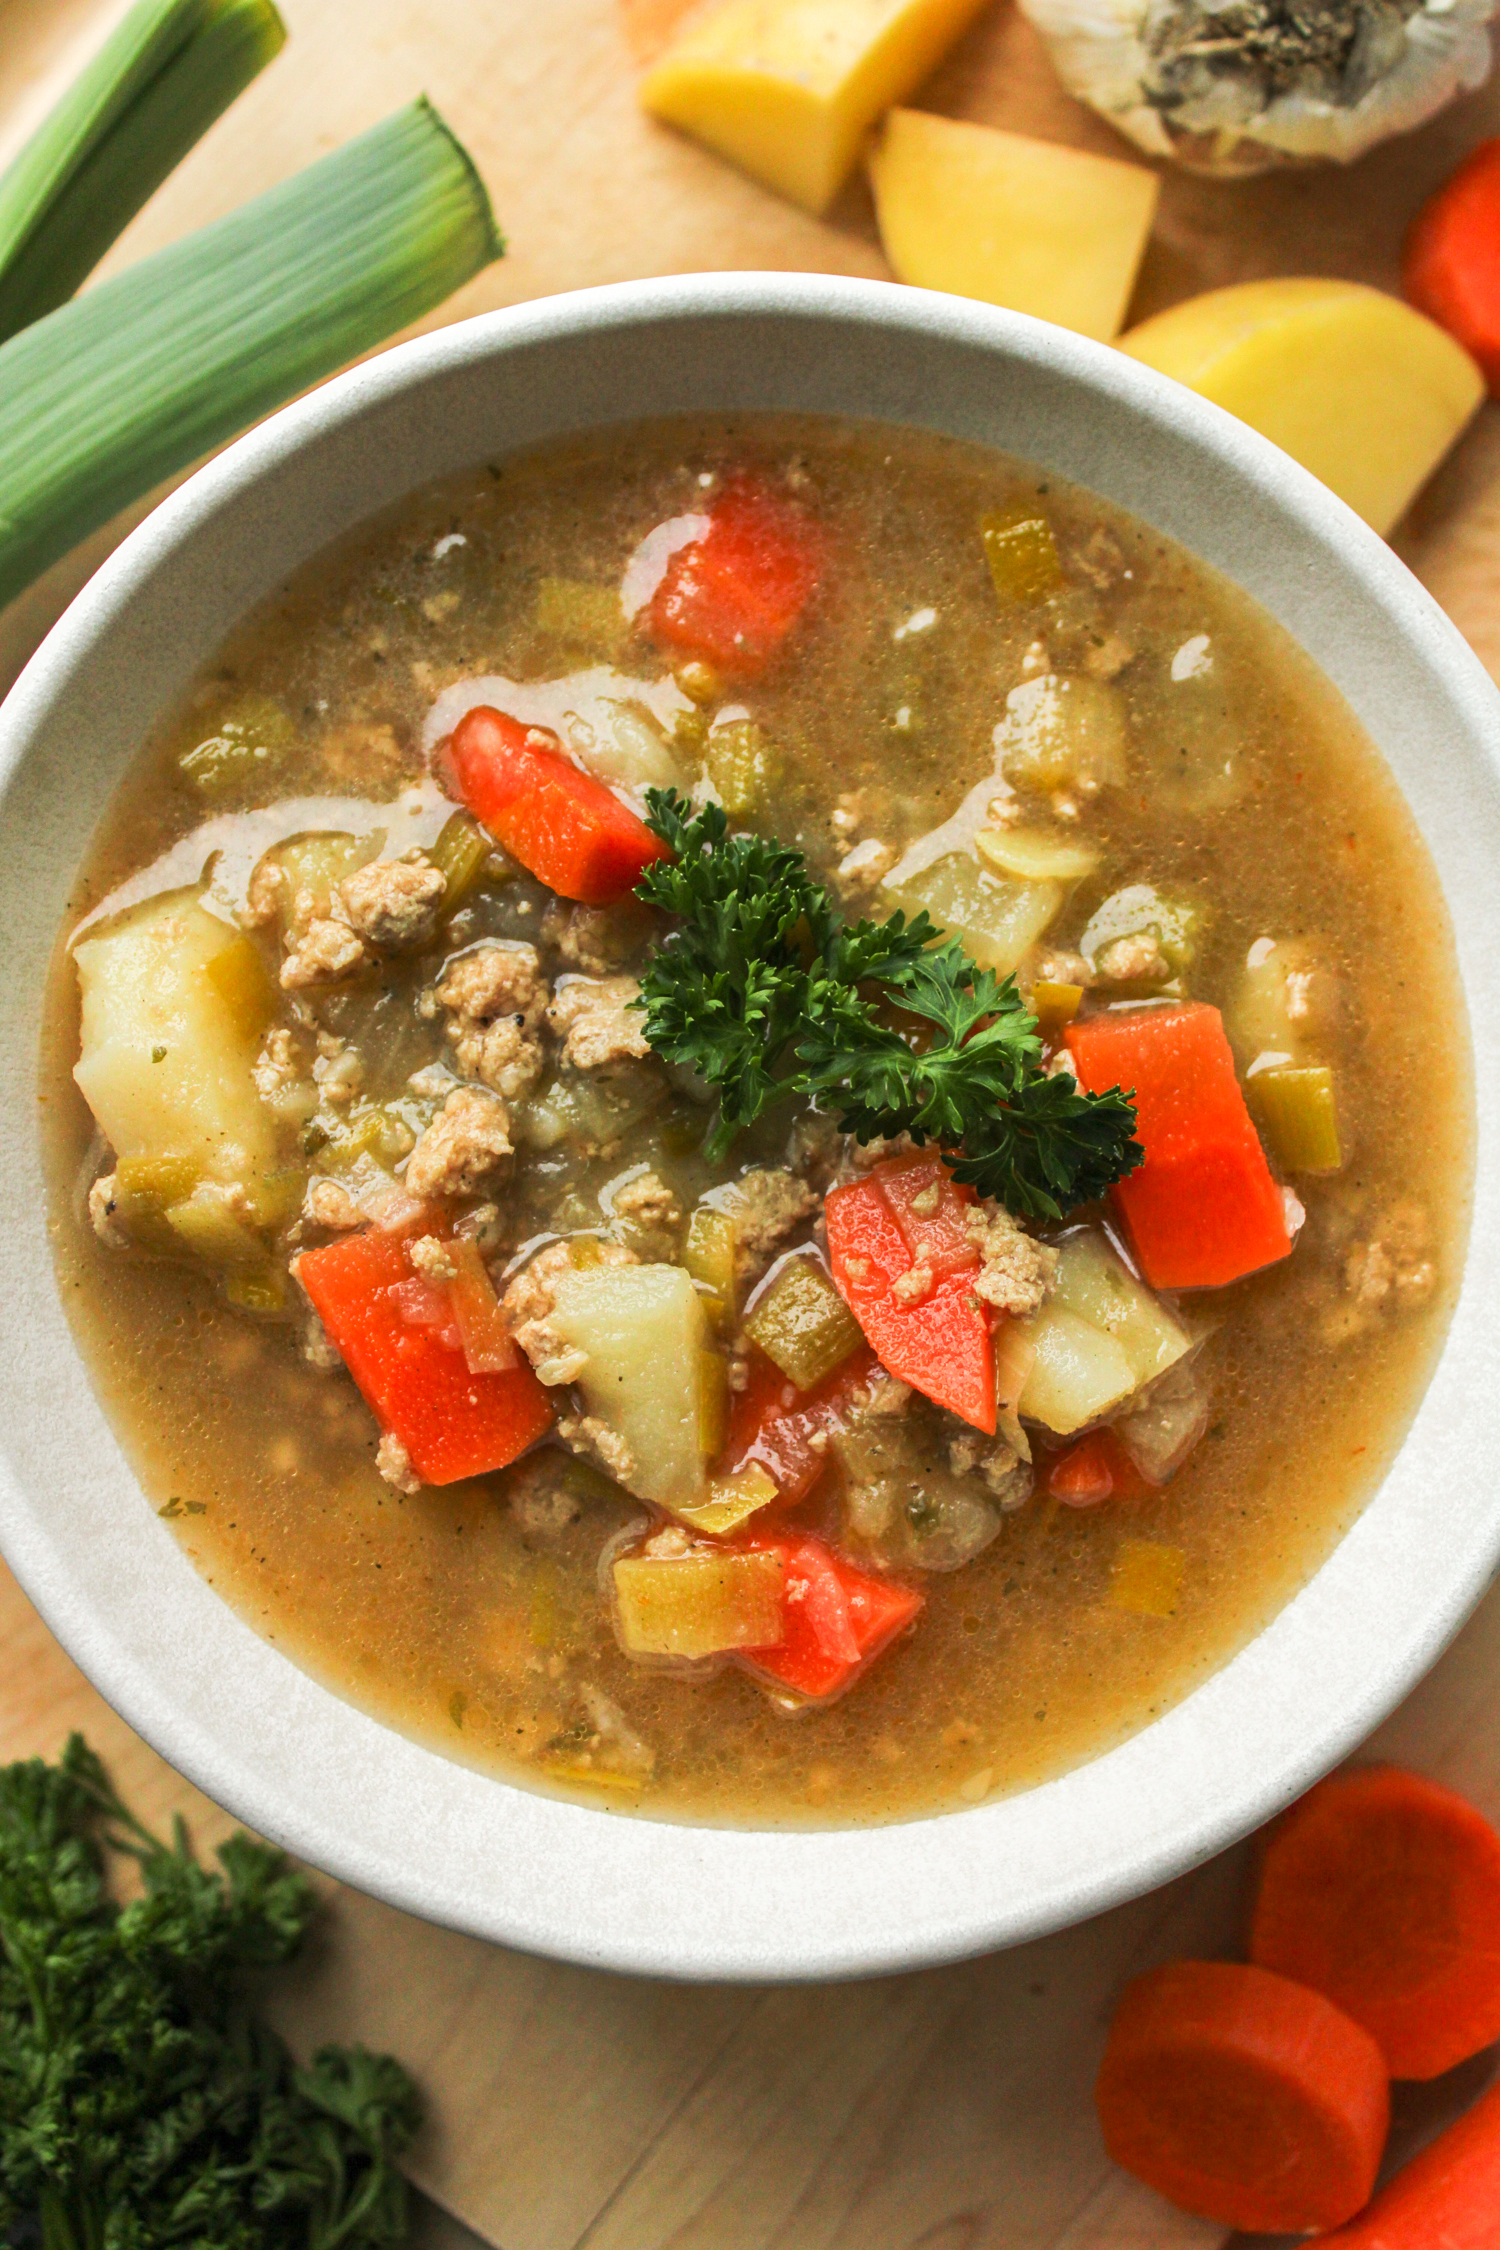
(948, 2110)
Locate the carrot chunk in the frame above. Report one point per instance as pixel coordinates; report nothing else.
(1096, 1468)
(835, 1618)
(734, 595)
(772, 1424)
(1203, 1208)
(452, 1422)
(1448, 2198)
(1381, 1890)
(1243, 2097)
(564, 827)
(1450, 269)
(929, 1330)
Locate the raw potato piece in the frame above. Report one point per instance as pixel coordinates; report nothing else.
(174, 1004)
(645, 1336)
(1028, 224)
(787, 89)
(1356, 386)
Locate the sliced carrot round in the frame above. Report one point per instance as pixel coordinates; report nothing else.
(1381, 1889)
(1243, 2098)
(1448, 2198)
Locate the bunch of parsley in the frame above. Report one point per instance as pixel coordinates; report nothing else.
(764, 991)
(141, 2104)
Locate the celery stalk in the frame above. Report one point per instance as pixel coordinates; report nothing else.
(150, 370)
(152, 91)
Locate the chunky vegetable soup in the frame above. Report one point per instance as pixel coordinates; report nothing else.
(763, 1120)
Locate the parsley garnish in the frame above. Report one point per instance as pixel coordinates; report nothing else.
(766, 993)
(141, 2103)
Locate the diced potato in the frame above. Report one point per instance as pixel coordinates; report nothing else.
(732, 1501)
(1286, 1002)
(1095, 1284)
(1063, 731)
(1079, 1371)
(644, 1334)
(166, 1057)
(996, 921)
(708, 1256)
(1033, 225)
(787, 89)
(698, 1605)
(1022, 553)
(1034, 856)
(1140, 910)
(1146, 1578)
(632, 749)
(1299, 1111)
(803, 1325)
(1355, 385)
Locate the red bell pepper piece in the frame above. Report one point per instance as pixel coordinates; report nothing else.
(938, 1340)
(772, 1424)
(452, 1424)
(564, 827)
(835, 1618)
(1203, 1208)
(734, 595)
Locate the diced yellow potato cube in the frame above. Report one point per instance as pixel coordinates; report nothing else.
(168, 1042)
(787, 89)
(644, 1335)
(698, 1605)
(1063, 731)
(1079, 1371)
(1028, 224)
(996, 921)
(1034, 856)
(1146, 1578)
(1095, 1284)
(1355, 385)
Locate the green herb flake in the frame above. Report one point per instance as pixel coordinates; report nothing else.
(158, 1054)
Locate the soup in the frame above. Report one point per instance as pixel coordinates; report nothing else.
(584, 1266)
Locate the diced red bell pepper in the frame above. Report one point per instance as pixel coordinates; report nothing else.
(1096, 1468)
(452, 1424)
(938, 1340)
(772, 1424)
(836, 1618)
(734, 595)
(564, 827)
(1203, 1209)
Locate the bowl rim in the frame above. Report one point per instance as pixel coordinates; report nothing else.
(909, 1893)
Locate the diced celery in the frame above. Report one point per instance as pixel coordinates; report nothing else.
(1078, 1374)
(1146, 1578)
(713, 1405)
(1063, 731)
(595, 1777)
(1300, 1114)
(698, 1605)
(1022, 553)
(708, 1255)
(253, 741)
(996, 921)
(241, 980)
(459, 854)
(1140, 910)
(262, 1292)
(585, 616)
(731, 1501)
(155, 1182)
(644, 1335)
(1034, 856)
(803, 1324)
(276, 1197)
(744, 766)
(371, 1131)
(585, 1253)
(206, 1226)
(1054, 1004)
(314, 864)
(1095, 1284)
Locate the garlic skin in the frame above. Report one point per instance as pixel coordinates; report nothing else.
(1236, 86)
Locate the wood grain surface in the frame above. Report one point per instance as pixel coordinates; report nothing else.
(943, 2111)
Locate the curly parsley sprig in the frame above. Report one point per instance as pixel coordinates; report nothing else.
(766, 993)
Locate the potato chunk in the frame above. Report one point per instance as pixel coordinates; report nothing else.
(787, 89)
(997, 922)
(1356, 386)
(645, 1338)
(698, 1605)
(1029, 224)
(174, 1004)
(1079, 1371)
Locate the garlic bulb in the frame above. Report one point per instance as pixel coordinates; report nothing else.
(1234, 86)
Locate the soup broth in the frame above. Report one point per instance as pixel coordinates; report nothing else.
(963, 686)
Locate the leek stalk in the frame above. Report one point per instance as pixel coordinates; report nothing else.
(152, 91)
(140, 376)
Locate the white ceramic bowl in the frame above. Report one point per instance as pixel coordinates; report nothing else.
(399, 1820)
